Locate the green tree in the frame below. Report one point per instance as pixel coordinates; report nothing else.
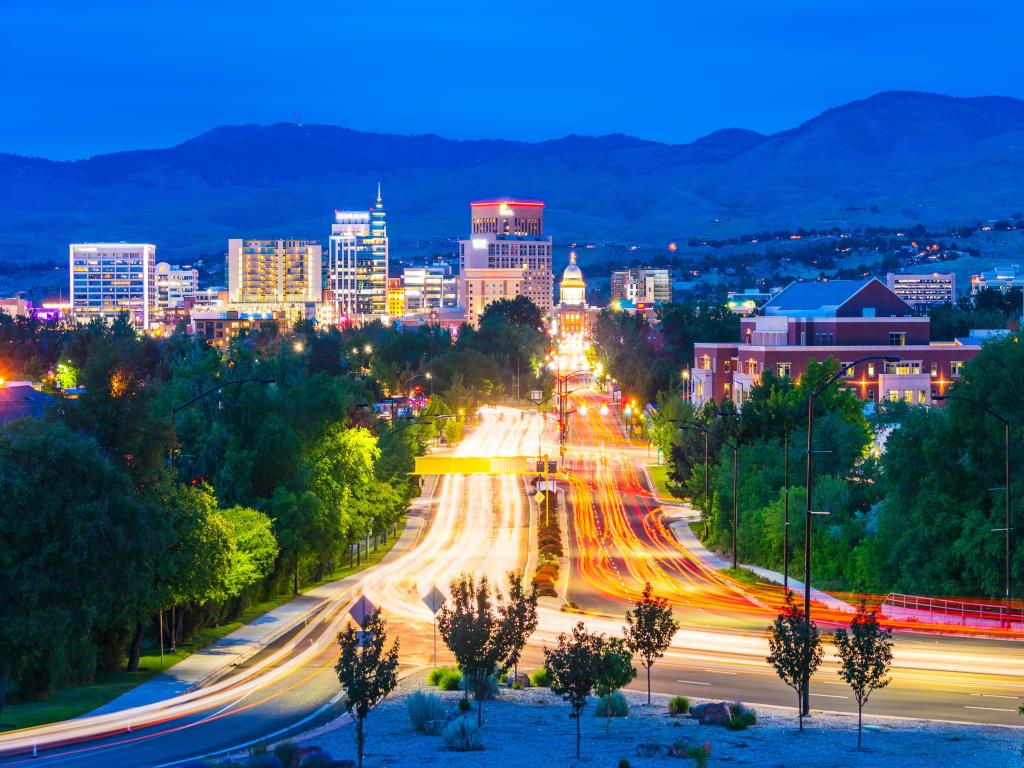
(866, 655)
(518, 617)
(517, 311)
(367, 672)
(615, 670)
(649, 630)
(575, 664)
(471, 626)
(253, 547)
(794, 649)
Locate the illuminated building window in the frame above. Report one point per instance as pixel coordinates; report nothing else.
(897, 339)
(784, 370)
(955, 366)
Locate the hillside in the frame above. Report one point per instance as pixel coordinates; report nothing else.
(894, 158)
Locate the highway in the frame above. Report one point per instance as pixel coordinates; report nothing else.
(481, 524)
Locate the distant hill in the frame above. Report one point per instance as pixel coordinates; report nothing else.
(894, 158)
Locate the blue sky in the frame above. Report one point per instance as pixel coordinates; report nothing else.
(79, 78)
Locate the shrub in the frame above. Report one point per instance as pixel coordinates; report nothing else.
(287, 752)
(678, 705)
(464, 705)
(317, 760)
(462, 735)
(451, 680)
(422, 708)
(623, 762)
(541, 678)
(612, 706)
(741, 718)
(490, 688)
(435, 675)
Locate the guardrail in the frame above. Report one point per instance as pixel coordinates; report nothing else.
(955, 608)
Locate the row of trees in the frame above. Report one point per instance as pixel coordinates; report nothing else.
(117, 524)
(915, 517)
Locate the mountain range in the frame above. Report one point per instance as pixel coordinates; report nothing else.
(895, 158)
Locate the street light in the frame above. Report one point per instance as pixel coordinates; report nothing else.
(843, 368)
(1006, 471)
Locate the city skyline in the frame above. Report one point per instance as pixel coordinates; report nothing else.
(679, 86)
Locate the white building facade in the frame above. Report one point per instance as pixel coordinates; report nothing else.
(109, 278)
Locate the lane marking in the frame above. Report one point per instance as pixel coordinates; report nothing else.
(829, 696)
(694, 682)
(996, 696)
(991, 709)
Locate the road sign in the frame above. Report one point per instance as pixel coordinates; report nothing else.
(536, 395)
(538, 497)
(363, 611)
(434, 599)
(364, 638)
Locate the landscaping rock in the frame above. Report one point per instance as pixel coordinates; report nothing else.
(522, 679)
(716, 713)
(652, 750)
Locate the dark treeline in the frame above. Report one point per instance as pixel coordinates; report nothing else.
(105, 530)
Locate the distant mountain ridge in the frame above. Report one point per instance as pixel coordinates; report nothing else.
(894, 158)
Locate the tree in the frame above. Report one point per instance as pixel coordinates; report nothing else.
(253, 547)
(575, 664)
(649, 630)
(794, 649)
(518, 619)
(470, 625)
(517, 311)
(366, 671)
(866, 655)
(615, 670)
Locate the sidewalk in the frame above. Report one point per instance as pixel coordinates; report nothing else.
(678, 519)
(232, 650)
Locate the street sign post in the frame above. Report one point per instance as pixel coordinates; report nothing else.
(363, 611)
(434, 600)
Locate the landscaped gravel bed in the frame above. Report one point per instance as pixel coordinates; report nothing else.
(528, 728)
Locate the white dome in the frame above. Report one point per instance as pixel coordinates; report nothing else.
(572, 272)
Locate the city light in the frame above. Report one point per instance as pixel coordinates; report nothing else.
(298, 346)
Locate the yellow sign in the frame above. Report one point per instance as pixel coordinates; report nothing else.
(538, 497)
(472, 465)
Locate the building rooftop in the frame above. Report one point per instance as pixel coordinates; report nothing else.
(20, 399)
(814, 297)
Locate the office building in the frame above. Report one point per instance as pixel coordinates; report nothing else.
(844, 320)
(642, 286)
(357, 266)
(1004, 279)
(110, 278)
(429, 287)
(746, 302)
(175, 284)
(16, 306)
(506, 256)
(923, 291)
(396, 297)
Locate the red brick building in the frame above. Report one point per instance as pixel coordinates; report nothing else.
(840, 319)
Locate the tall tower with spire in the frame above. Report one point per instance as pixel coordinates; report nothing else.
(357, 273)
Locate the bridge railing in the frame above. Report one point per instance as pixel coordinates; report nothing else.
(954, 608)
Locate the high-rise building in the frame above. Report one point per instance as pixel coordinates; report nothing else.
(174, 285)
(645, 285)
(357, 266)
(923, 291)
(273, 273)
(110, 278)
(506, 256)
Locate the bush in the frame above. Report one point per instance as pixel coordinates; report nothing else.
(490, 688)
(678, 705)
(422, 708)
(451, 680)
(435, 675)
(741, 718)
(317, 760)
(623, 762)
(617, 703)
(463, 735)
(464, 705)
(287, 752)
(541, 678)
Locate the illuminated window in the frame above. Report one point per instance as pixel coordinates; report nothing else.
(908, 395)
(955, 366)
(921, 396)
(897, 339)
(894, 395)
(935, 369)
(871, 369)
(849, 370)
(783, 370)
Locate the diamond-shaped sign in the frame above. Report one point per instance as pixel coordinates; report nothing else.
(434, 599)
(363, 611)
(538, 497)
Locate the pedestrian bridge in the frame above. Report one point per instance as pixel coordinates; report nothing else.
(476, 465)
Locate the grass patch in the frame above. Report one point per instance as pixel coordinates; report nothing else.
(697, 528)
(659, 476)
(746, 576)
(67, 703)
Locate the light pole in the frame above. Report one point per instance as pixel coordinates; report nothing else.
(1006, 475)
(707, 497)
(811, 398)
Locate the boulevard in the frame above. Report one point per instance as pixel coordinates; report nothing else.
(486, 525)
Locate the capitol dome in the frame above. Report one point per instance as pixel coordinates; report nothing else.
(572, 291)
